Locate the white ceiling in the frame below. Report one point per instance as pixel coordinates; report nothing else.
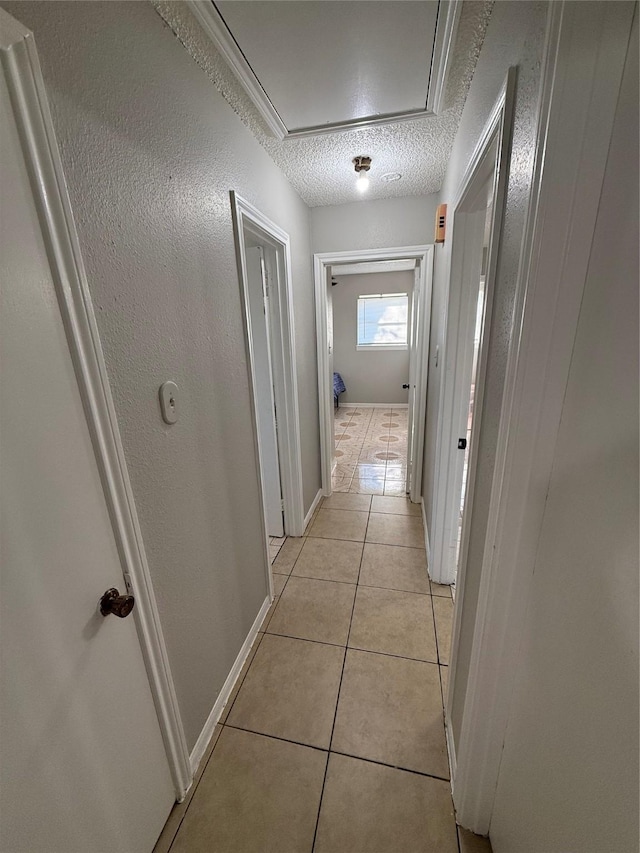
(326, 63)
(320, 167)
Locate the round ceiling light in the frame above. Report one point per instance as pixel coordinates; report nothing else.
(390, 177)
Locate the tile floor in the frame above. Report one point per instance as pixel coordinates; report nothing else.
(371, 451)
(333, 738)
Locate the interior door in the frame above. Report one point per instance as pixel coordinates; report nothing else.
(413, 367)
(82, 762)
(258, 288)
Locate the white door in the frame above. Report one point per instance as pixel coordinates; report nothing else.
(258, 288)
(82, 763)
(414, 354)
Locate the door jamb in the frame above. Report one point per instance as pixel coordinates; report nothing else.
(578, 97)
(321, 262)
(28, 94)
(247, 217)
(497, 127)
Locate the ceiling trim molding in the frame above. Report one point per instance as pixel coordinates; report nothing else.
(216, 29)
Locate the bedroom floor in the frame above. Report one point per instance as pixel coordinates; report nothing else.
(371, 451)
(333, 740)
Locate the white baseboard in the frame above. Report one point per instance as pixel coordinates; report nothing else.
(426, 535)
(207, 732)
(373, 406)
(451, 752)
(312, 508)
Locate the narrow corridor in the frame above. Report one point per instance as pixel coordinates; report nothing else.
(333, 738)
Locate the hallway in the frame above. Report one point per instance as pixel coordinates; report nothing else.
(333, 738)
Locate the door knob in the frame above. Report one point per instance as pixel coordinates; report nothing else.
(405, 386)
(119, 605)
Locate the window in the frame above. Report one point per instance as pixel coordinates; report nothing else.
(382, 321)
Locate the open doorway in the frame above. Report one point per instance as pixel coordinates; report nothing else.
(369, 318)
(265, 284)
(372, 321)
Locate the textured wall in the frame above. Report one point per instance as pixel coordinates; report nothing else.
(569, 771)
(514, 37)
(150, 151)
(378, 224)
(375, 376)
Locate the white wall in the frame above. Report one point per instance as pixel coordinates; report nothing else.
(569, 772)
(150, 151)
(370, 377)
(376, 224)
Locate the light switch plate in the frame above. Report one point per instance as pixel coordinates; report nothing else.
(169, 402)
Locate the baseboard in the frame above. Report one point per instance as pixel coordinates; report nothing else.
(312, 508)
(207, 732)
(374, 406)
(452, 754)
(426, 534)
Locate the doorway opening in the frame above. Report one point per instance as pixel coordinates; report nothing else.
(372, 321)
(264, 265)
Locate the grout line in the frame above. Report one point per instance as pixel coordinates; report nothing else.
(392, 766)
(335, 713)
(276, 737)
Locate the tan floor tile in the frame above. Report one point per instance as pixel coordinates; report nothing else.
(394, 567)
(440, 589)
(243, 673)
(390, 710)
(180, 809)
(395, 472)
(360, 503)
(340, 524)
(258, 795)
(290, 691)
(393, 622)
(285, 560)
(444, 680)
(443, 609)
(341, 486)
(314, 610)
(370, 471)
(330, 559)
(387, 529)
(367, 808)
(471, 843)
(395, 488)
(366, 487)
(395, 506)
(278, 582)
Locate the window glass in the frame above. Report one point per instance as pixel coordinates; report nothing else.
(382, 320)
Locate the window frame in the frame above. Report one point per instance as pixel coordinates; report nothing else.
(378, 346)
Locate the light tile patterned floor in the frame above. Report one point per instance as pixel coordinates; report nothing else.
(371, 451)
(333, 738)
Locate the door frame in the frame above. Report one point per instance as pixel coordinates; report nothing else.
(582, 70)
(423, 255)
(282, 340)
(446, 505)
(28, 94)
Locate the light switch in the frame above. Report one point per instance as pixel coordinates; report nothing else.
(169, 402)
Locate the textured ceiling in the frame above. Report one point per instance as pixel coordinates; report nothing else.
(320, 167)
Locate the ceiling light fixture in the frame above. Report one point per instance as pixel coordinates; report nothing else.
(390, 177)
(362, 166)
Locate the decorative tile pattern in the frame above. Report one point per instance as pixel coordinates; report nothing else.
(371, 451)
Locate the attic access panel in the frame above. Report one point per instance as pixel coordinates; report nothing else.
(315, 67)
